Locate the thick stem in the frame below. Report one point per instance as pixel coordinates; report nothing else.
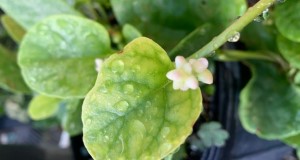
(235, 27)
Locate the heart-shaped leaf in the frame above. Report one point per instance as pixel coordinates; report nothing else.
(57, 56)
(10, 74)
(270, 103)
(29, 12)
(133, 112)
(42, 107)
(290, 50)
(288, 19)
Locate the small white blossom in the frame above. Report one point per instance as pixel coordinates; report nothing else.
(98, 64)
(187, 74)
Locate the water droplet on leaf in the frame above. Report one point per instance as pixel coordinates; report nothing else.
(118, 66)
(128, 88)
(213, 53)
(165, 131)
(122, 106)
(263, 16)
(235, 37)
(103, 89)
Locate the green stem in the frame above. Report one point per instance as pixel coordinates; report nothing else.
(232, 55)
(235, 27)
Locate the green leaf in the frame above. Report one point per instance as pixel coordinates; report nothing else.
(270, 103)
(10, 74)
(293, 141)
(297, 79)
(167, 21)
(29, 12)
(57, 56)
(264, 39)
(130, 33)
(133, 112)
(290, 50)
(194, 40)
(211, 134)
(15, 31)
(288, 19)
(42, 107)
(71, 121)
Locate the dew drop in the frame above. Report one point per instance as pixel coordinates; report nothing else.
(105, 138)
(128, 88)
(165, 131)
(213, 53)
(235, 37)
(103, 88)
(121, 106)
(139, 128)
(263, 16)
(136, 68)
(118, 66)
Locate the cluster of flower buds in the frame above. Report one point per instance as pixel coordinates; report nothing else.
(187, 73)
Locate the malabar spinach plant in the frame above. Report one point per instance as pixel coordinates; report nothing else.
(105, 68)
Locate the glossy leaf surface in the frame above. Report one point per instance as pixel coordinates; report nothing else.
(42, 107)
(194, 41)
(57, 56)
(133, 112)
(288, 19)
(270, 103)
(29, 12)
(290, 50)
(168, 21)
(130, 33)
(264, 39)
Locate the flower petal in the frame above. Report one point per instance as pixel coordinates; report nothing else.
(180, 61)
(192, 82)
(174, 75)
(199, 65)
(205, 77)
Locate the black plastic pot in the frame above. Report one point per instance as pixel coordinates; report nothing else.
(230, 78)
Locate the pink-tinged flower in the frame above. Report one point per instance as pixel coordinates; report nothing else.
(98, 64)
(187, 74)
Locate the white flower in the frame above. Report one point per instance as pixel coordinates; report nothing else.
(98, 64)
(187, 74)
